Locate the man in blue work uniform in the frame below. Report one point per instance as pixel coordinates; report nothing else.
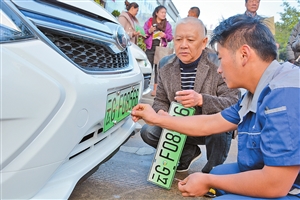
(267, 118)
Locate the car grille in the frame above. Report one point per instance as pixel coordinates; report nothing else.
(88, 55)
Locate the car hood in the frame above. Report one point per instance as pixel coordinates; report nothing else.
(86, 5)
(96, 9)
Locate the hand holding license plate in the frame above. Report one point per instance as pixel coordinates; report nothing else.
(168, 150)
(118, 105)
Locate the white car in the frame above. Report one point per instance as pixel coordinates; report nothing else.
(144, 64)
(68, 83)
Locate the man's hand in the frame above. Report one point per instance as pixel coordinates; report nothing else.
(189, 98)
(145, 112)
(194, 185)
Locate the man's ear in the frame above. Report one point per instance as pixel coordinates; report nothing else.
(245, 54)
(204, 42)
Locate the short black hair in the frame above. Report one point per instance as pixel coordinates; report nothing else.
(196, 9)
(241, 29)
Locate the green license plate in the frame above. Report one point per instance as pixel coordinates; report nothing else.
(168, 151)
(119, 105)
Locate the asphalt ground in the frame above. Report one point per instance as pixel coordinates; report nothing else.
(124, 176)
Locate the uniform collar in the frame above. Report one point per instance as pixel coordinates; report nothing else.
(249, 102)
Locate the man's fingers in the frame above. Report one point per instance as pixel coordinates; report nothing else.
(135, 119)
(139, 107)
(137, 113)
(185, 194)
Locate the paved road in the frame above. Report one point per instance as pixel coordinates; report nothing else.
(124, 176)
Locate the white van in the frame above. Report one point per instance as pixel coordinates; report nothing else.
(68, 83)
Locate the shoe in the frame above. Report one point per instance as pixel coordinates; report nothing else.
(183, 167)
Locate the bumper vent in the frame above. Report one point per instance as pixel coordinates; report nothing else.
(87, 55)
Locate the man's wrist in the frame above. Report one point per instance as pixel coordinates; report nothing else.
(200, 103)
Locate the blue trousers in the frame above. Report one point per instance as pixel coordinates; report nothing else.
(233, 168)
(217, 146)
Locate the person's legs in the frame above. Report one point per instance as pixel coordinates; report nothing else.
(150, 56)
(155, 73)
(153, 93)
(233, 168)
(223, 169)
(229, 168)
(190, 152)
(239, 197)
(217, 148)
(151, 134)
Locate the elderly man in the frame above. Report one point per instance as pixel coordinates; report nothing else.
(267, 118)
(190, 77)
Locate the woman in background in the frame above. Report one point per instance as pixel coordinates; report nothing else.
(293, 46)
(128, 20)
(158, 31)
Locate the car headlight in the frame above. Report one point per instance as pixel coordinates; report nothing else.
(12, 27)
(122, 37)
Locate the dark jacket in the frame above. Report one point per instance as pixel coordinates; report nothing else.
(293, 44)
(216, 94)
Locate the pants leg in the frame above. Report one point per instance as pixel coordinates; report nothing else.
(230, 168)
(190, 147)
(151, 134)
(217, 145)
(217, 148)
(155, 73)
(239, 197)
(150, 56)
(233, 168)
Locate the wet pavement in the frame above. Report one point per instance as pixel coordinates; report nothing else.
(124, 176)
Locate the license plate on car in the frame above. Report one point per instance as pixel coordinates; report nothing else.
(119, 105)
(168, 150)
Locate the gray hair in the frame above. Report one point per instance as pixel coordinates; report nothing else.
(192, 20)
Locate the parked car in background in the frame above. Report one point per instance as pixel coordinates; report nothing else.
(68, 83)
(144, 64)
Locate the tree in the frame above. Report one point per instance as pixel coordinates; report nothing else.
(289, 18)
(116, 13)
